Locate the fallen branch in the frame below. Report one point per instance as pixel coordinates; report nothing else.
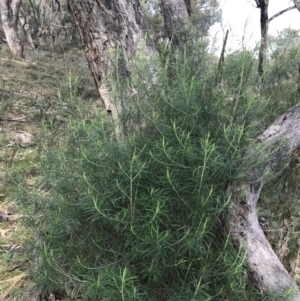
(275, 144)
(8, 218)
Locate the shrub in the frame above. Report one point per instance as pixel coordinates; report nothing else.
(138, 215)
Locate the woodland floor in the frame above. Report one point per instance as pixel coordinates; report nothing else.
(37, 99)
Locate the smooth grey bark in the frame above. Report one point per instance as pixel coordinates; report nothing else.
(106, 28)
(175, 13)
(9, 16)
(275, 144)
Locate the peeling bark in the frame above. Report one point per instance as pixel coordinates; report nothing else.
(280, 140)
(9, 16)
(106, 27)
(175, 13)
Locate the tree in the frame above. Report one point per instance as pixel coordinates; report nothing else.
(25, 27)
(175, 13)
(201, 15)
(263, 5)
(9, 16)
(104, 30)
(195, 15)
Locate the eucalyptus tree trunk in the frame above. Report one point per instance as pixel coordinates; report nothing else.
(263, 5)
(107, 28)
(175, 13)
(9, 16)
(25, 27)
(264, 27)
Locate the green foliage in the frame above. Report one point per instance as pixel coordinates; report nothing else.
(204, 15)
(282, 76)
(133, 210)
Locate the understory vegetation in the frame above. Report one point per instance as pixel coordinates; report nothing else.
(133, 209)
